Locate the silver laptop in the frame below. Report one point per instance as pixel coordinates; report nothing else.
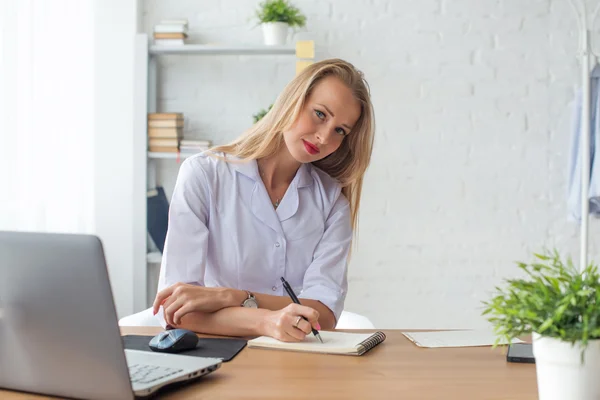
(59, 333)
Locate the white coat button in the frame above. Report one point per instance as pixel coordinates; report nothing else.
(274, 288)
(277, 244)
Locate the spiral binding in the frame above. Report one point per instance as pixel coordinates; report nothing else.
(370, 342)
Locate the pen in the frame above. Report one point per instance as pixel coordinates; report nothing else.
(289, 290)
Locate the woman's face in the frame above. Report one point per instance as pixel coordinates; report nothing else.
(329, 114)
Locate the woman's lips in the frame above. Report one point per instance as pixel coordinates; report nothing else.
(310, 148)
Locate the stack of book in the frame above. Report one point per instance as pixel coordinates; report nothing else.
(165, 130)
(171, 32)
(194, 145)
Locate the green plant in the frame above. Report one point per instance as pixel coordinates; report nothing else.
(555, 301)
(260, 114)
(280, 11)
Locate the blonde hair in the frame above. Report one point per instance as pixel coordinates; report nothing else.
(349, 162)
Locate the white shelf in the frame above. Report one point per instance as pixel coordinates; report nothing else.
(205, 49)
(154, 257)
(182, 155)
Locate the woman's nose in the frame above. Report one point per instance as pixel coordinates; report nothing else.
(323, 136)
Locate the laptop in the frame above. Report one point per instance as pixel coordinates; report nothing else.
(59, 332)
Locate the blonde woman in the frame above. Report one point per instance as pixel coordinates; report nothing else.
(280, 201)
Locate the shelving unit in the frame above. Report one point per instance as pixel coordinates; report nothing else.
(145, 162)
(181, 156)
(202, 49)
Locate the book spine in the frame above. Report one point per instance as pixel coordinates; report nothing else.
(153, 116)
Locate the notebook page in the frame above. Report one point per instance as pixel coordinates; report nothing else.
(470, 338)
(333, 342)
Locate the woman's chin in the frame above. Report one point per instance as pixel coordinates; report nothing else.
(303, 157)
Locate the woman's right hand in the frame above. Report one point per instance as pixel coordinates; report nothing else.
(287, 324)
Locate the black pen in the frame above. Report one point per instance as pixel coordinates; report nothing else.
(289, 290)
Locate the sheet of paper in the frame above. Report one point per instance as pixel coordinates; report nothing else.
(465, 338)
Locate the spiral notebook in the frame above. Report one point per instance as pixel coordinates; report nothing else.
(354, 344)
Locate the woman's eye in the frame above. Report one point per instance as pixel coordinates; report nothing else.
(319, 114)
(341, 131)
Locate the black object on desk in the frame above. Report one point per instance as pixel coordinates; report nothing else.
(289, 290)
(520, 353)
(225, 349)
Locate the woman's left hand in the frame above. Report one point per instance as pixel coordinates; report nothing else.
(182, 298)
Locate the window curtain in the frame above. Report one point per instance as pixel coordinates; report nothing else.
(46, 115)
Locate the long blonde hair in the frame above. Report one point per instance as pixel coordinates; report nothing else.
(349, 162)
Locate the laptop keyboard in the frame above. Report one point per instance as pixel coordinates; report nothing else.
(140, 373)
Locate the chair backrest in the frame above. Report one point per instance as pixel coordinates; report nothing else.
(143, 318)
(350, 320)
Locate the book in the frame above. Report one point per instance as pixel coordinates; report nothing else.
(153, 116)
(343, 343)
(165, 123)
(170, 35)
(166, 142)
(460, 338)
(165, 132)
(195, 142)
(163, 149)
(193, 148)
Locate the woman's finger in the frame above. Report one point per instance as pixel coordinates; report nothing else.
(290, 328)
(168, 301)
(160, 298)
(310, 314)
(171, 309)
(303, 326)
(186, 308)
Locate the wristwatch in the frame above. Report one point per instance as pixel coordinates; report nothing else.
(251, 301)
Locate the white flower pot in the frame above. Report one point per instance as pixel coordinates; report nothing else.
(560, 373)
(275, 33)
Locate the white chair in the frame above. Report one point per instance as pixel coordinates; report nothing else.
(348, 320)
(143, 318)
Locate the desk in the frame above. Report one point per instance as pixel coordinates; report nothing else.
(396, 369)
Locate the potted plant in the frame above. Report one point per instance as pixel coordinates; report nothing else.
(276, 17)
(261, 113)
(560, 307)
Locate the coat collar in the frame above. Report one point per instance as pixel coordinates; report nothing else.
(255, 195)
(250, 169)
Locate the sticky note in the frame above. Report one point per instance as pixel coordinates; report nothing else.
(300, 65)
(305, 49)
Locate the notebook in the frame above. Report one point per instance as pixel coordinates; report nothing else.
(355, 344)
(465, 338)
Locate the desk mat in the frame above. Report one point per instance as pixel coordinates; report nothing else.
(225, 349)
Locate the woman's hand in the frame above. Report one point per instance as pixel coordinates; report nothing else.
(181, 298)
(288, 325)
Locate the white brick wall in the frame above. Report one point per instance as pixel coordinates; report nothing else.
(468, 173)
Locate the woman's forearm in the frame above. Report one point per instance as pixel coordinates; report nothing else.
(231, 321)
(274, 303)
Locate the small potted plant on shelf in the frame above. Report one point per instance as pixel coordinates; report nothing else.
(276, 17)
(261, 113)
(560, 307)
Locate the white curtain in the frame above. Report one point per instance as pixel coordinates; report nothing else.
(46, 115)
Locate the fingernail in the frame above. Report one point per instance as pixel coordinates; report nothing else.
(318, 327)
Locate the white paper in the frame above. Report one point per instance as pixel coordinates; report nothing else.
(467, 338)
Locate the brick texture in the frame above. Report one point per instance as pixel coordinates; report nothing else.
(469, 167)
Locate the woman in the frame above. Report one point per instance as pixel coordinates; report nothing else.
(280, 201)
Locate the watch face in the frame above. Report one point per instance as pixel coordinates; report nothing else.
(250, 303)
